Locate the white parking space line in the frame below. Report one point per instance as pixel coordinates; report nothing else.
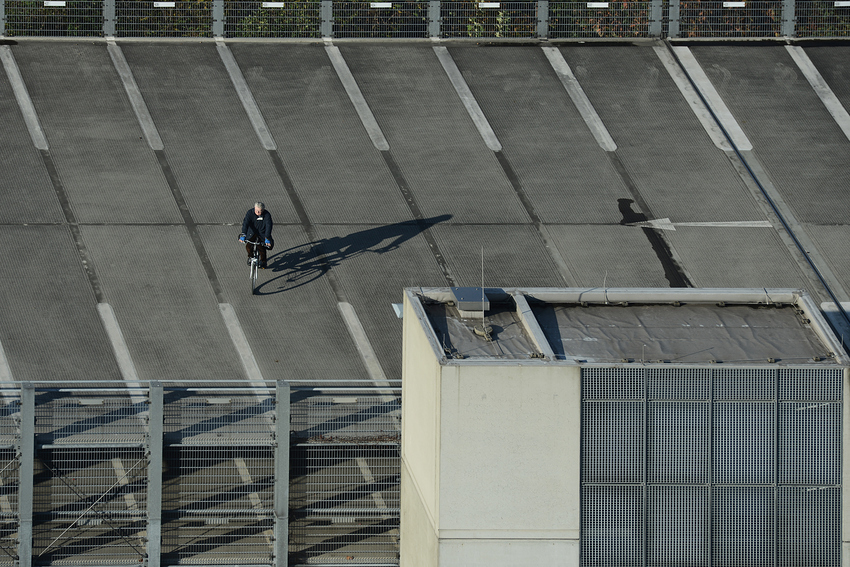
(135, 96)
(248, 102)
(5, 370)
(240, 341)
(119, 347)
(824, 92)
(667, 224)
(580, 100)
(369, 478)
(121, 473)
(469, 102)
(364, 347)
(692, 98)
(39, 140)
(357, 99)
(704, 85)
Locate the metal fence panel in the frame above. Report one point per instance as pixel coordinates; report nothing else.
(380, 19)
(90, 506)
(599, 19)
(489, 19)
(211, 418)
(80, 418)
(272, 19)
(822, 18)
(176, 18)
(726, 18)
(70, 18)
(8, 506)
(218, 505)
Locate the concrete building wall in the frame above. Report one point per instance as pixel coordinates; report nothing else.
(509, 452)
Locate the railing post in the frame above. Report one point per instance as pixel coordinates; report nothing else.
(789, 18)
(655, 17)
(26, 469)
(218, 18)
(543, 19)
(155, 414)
(108, 18)
(674, 18)
(281, 475)
(327, 18)
(434, 19)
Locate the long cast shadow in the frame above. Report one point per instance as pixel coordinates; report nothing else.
(303, 264)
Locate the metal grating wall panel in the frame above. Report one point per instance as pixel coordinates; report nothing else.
(612, 526)
(681, 518)
(742, 526)
(612, 442)
(749, 475)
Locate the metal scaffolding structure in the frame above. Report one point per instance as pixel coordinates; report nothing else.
(163, 475)
(542, 19)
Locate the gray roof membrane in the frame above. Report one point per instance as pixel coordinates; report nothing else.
(670, 328)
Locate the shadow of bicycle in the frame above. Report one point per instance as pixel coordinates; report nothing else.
(303, 264)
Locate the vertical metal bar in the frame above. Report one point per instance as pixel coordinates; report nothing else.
(655, 16)
(775, 465)
(645, 457)
(155, 413)
(2, 17)
(218, 18)
(434, 19)
(674, 18)
(327, 13)
(543, 19)
(26, 470)
(281, 475)
(108, 18)
(789, 17)
(710, 530)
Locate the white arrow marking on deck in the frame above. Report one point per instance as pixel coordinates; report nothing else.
(667, 224)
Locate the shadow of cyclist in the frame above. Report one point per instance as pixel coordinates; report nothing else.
(305, 263)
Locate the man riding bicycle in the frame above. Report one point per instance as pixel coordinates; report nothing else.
(257, 230)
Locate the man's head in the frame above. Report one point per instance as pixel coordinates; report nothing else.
(259, 208)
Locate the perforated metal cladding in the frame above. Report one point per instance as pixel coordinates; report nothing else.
(713, 466)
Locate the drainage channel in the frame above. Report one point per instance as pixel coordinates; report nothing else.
(764, 192)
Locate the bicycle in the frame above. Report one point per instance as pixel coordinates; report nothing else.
(254, 263)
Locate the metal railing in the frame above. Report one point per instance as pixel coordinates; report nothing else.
(541, 19)
(170, 474)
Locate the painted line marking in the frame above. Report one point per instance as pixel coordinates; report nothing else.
(357, 99)
(823, 90)
(39, 140)
(666, 224)
(466, 97)
(240, 341)
(245, 95)
(121, 473)
(135, 96)
(579, 98)
(705, 86)
(5, 369)
(692, 98)
(119, 347)
(369, 478)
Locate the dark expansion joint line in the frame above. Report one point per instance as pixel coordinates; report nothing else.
(306, 225)
(190, 224)
(423, 226)
(71, 221)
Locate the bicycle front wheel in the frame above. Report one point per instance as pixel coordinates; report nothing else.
(255, 268)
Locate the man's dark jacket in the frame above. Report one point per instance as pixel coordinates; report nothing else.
(257, 224)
